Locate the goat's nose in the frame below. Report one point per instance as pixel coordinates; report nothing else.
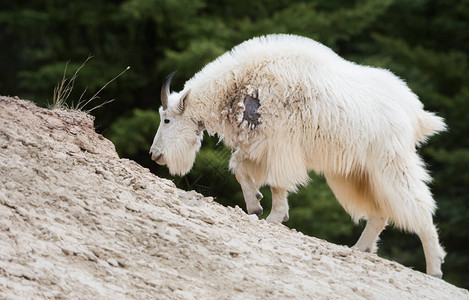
(156, 157)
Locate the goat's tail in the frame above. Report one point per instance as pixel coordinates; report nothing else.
(429, 124)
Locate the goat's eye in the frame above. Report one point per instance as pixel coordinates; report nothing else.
(166, 121)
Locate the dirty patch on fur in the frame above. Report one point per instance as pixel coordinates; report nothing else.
(251, 110)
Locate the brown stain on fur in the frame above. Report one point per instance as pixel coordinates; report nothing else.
(355, 193)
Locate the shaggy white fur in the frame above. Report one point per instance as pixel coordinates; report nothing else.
(357, 125)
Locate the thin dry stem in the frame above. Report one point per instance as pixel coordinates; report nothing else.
(57, 100)
(82, 103)
(63, 90)
(100, 105)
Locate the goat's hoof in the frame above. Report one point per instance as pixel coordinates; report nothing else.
(439, 276)
(277, 218)
(259, 196)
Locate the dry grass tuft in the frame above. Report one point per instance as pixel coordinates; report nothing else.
(65, 87)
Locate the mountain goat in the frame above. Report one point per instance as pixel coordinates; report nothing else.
(288, 105)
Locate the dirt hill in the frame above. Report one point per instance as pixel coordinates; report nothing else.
(78, 222)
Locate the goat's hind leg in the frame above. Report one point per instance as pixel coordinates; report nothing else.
(434, 253)
(355, 194)
(410, 205)
(369, 237)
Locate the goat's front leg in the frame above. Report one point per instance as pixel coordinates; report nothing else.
(251, 193)
(279, 212)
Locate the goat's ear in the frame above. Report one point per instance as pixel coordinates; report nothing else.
(183, 101)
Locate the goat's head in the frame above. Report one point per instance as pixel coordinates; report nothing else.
(179, 136)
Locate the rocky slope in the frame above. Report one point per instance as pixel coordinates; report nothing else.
(78, 222)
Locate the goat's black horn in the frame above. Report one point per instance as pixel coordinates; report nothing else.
(165, 90)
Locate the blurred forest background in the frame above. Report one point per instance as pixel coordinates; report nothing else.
(425, 42)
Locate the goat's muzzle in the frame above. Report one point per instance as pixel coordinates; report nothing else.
(158, 158)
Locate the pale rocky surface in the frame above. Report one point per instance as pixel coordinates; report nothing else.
(77, 222)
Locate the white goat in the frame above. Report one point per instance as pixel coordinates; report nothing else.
(288, 105)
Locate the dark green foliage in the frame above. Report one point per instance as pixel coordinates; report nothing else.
(425, 42)
(132, 135)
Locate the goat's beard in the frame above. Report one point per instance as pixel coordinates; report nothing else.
(181, 159)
